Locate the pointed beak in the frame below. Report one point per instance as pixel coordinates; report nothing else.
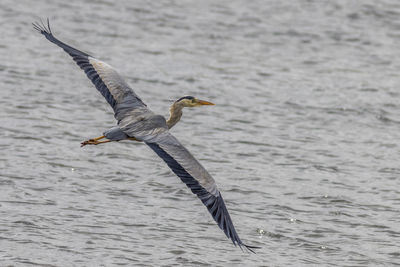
(203, 102)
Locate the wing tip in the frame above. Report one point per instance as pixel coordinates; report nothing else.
(42, 28)
(236, 241)
(219, 212)
(248, 248)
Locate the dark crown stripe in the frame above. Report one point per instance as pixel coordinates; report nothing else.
(185, 97)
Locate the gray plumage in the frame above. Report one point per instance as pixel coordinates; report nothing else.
(115, 134)
(136, 120)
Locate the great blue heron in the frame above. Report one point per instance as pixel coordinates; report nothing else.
(137, 122)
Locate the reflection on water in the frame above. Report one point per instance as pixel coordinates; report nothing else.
(303, 141)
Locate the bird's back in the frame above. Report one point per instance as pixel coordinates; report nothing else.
(142, 125)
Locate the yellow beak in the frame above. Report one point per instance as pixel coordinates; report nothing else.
(203, 102)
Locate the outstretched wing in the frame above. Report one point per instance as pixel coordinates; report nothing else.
(106, 79)
(200, 182)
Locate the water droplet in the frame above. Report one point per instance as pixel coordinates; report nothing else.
(261, 232)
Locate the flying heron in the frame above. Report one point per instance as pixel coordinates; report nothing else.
(137, 122)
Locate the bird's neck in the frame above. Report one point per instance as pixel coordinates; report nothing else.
(175, 114)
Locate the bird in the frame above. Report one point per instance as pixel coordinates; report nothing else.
(175, 111)
(136, 122)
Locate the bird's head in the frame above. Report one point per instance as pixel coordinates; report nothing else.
(190, 101)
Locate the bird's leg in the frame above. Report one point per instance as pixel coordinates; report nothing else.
(98, 138)
(94, 141)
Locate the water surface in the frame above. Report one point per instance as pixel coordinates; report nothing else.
(303, 141)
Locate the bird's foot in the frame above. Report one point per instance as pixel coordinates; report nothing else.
(94, 141)
(89, 142)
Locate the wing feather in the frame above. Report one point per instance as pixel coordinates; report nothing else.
(105, 78)
(188, 169)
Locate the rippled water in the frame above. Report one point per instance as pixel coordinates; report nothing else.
(303, 141)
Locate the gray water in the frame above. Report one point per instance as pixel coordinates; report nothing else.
(303, 142)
